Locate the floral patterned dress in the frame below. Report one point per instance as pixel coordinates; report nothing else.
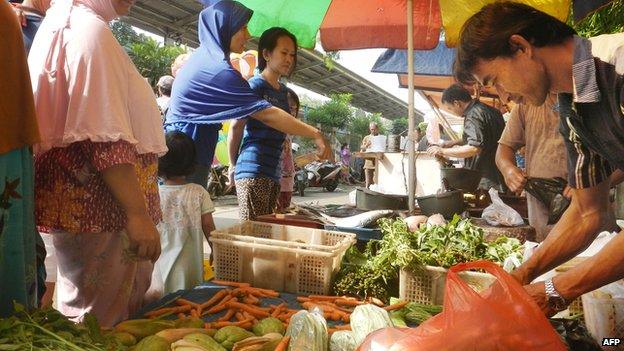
(96, 272)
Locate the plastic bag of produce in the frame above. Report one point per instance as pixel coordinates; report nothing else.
(365, 319)
(499, 213)
(308, 332)
(342, 341)
(503, 317)
(550, 193)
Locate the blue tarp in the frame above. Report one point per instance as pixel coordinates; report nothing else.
(436, 62)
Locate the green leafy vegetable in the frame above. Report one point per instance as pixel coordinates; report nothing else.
(48, 329)
(371, 273)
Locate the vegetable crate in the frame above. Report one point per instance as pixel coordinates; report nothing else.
(427, 286)
(604, 317)
(280, 257)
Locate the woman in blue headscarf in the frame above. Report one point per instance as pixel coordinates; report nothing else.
(208, 90)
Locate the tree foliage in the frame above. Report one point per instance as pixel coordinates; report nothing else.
(606, 20)
(151, 58)
(399, 125)
(335, 113)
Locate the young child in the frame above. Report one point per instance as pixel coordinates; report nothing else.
(187, 219)
(287, 181)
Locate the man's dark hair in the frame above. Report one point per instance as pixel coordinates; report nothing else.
(180, 159)
(295, 98)
(455, 93)
(268, 41)
(165, 91)
(485, 36)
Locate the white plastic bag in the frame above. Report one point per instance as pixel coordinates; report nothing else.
(500, 214)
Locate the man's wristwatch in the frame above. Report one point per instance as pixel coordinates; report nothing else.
(555, 300)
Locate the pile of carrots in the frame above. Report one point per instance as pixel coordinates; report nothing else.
(242, 305)
(339, 308)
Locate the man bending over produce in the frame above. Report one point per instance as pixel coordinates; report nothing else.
(526, 54)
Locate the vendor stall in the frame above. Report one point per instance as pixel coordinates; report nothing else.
(391, 172)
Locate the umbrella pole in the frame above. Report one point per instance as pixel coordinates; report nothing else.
(411, 177)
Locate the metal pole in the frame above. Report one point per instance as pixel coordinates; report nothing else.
(411, 176)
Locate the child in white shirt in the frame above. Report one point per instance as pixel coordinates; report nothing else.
(187, 220)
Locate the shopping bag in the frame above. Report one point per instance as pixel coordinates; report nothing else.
(499, 213)
(503, 318)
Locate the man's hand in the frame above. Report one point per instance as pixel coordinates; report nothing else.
(537, 292)
(143, 236)
(435, 151)
(231, 182)
(323, 149)
(366, 144)
(520, 275)
(514, 178)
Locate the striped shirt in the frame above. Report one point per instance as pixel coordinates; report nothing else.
(592, 116)
(261, 149)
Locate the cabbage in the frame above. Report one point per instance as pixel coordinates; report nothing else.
(268, 325)
(342, 341)
(308, 332)
(365, 319)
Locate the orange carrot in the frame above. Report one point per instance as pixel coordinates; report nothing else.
(345, 310)
(217, 297)
(184, 302)
(167, 310)
(195, 313)
(303, 299)
(240, 317)
(262, 292)
(227, 316)
(323, 297)
(253, 310)
(396, 306)
(181, 315)
(347, 302)
(283, 345)
(247, 315)
(230, 283)
(276, 312)
(254, 300)
(158, 312)
(221, 305)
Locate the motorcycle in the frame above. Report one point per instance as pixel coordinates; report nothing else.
(301, 181)
(217, 181)
(323, 174)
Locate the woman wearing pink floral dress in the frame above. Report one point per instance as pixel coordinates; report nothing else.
(96, 185)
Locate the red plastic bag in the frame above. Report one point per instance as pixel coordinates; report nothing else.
(501, 318)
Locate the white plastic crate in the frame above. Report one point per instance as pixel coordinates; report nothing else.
(604, 317)
(279, 257)
(427, 286)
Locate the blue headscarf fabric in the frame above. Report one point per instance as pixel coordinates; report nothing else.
(208, 90)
